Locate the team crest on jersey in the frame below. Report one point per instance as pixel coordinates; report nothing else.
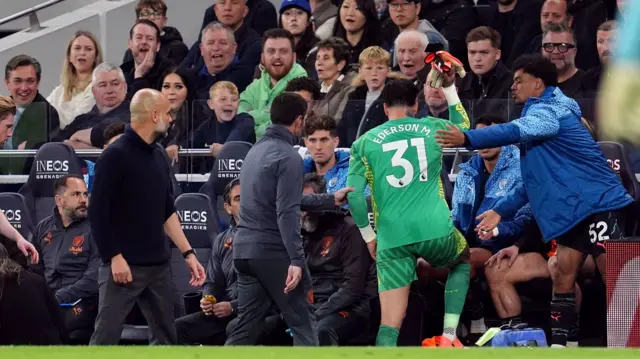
(76, 245)
(47, 238)
(332, 182)
(326, 245)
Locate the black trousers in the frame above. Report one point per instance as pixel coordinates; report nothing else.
(198, 328)
(338, 328)
(151, 288)
(260, 284)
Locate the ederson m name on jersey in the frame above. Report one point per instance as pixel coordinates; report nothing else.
(401, 127)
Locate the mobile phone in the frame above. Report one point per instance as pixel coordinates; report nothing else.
(210, 299)
(73, 304)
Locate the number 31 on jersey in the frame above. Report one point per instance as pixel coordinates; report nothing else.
(398, 160)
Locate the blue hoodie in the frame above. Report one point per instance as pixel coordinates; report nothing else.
(566, 178)
(336, 177)
(467, 204)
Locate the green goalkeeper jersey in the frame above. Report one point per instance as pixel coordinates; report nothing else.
(401, 162)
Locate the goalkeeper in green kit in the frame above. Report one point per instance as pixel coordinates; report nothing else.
(401, 162)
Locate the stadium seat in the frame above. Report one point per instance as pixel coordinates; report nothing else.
(200, 226)
(226, 167)
(52, 161)
(14, 207)
(447, 186)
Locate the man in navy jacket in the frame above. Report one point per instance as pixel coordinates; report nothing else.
(575, 196)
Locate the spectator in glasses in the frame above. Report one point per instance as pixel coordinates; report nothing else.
(559, 46)
(171, 46)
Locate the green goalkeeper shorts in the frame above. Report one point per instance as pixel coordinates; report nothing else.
(397, 266)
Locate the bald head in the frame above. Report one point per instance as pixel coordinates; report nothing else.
(150, 114)
(555, 12)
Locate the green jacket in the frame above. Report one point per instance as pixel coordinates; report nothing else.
(257, 98)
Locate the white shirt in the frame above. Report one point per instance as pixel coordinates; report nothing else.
(79, 104)
(325, 89)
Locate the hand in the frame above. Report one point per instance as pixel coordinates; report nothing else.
(373, 247)
(206, 306)
(215, 149)
(172, 152)
(196, 269)
(340, 196)
(293, 278)
(448, 78)
(489, 220)
(146, 64)
(484, 235)
(28, 250)
(510, 252)
(222, 309)
(120, 270)
(452, 137)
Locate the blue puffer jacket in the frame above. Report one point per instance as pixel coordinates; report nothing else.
(336, 177)
(467, 204)
(566, 177)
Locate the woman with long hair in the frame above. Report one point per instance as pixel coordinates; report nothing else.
(29, 312)
(295, 17)
(359, 26)
(73, 96)
(177, 87)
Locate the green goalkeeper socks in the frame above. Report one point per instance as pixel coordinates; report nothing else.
(387, 336)
(455, 294)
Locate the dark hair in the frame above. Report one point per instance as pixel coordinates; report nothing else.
(226, 194)
(278, 33)
(60, 183)
(537, 66)
(304, 84)
(485, 33)
(157, 5)
(372, 29)
(184, 114)
(8, 268)
(489, 120)
(113, 130)
(558, 29)
(316, 182)
(286, 108)
(307, 40)
(341, 50)
(399, 92)
(145, 22)
(20, 61)
(320, 123)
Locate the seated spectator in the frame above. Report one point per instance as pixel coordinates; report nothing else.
(403, 16)
(260, 15)
(224, 124)
(70, 259)
(219, 51)
(453, 19)
(176, 86)
(309, 90)
(587, 16)
(364, 109)
(232, 14)
(111, 134)
(29, 312)
(517, 23)
(171, 46)
(331, 66)
(559, 46)
(342, 272)
(295, 17)
(488, 87)
(323, 15)
(409, 52)
(359, 26)
(35, 121)
(73, 96)
(147, 67)
(280, 67)
(552, 12)
(321, 140)
(486, 178)
(202, 327)
(605, 38)
(109, 88)
(7, 113)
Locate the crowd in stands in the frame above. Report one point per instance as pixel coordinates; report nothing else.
(338, 55)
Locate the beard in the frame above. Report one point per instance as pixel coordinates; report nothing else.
(78, 213)
(506, 2)
(309, 223)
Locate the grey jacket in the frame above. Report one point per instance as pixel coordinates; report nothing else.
(271, 187)
(221, 277)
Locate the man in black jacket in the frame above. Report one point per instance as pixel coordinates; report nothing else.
(131, 216)
(70, 258)
(220, 283)
(342, 271)
(268, 254)
(147, 68)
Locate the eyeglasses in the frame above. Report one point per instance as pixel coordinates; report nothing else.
(400, 5)
(561, 46)
(151, 14)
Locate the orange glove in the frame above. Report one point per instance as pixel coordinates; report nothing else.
(443, 61)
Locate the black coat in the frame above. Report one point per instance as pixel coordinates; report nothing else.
(221, 276)
(152, 80)
(490, 94)
(353, 116)
(261, 17)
